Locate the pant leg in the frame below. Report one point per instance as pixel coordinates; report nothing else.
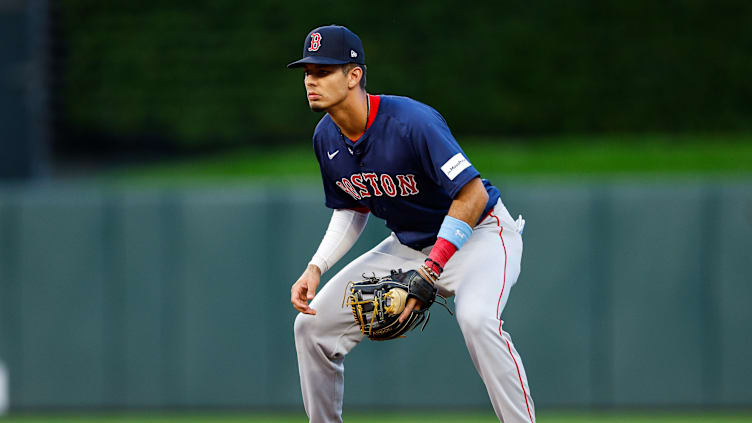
(481, 274)
(322, 340)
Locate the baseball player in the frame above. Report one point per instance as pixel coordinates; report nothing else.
(396, 158)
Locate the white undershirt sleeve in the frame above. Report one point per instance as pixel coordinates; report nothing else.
(344, 229)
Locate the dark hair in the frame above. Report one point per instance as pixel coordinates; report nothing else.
(350, 66)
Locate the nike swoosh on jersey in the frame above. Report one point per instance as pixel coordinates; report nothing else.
(331, 155)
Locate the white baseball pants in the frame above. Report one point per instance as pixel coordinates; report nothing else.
(480, 275)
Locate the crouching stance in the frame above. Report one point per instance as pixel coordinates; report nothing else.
(396, 158)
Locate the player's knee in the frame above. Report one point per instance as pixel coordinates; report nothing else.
(475, 321)
(304, 327)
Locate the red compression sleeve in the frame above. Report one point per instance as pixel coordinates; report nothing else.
(441, 252)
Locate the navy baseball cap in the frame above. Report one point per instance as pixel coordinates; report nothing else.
(331, 45)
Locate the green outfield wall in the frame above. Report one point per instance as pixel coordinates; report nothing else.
(631, 294)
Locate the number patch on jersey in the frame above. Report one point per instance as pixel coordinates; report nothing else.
(455, 166)
(315, 42)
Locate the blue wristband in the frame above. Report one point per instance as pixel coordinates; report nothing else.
(455, 231)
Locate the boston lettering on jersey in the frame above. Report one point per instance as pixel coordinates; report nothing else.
(406, 168)
(364, 185)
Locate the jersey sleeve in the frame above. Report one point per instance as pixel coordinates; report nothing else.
(440, 155)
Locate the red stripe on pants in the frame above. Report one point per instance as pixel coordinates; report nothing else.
(498, 316)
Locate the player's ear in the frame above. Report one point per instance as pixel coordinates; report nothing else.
(354, 76)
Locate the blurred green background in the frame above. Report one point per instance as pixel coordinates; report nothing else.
(158, 196)
(213, 72)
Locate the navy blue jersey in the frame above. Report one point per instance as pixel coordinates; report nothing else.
(406, 169)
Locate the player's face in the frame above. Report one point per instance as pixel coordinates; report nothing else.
(326, 86)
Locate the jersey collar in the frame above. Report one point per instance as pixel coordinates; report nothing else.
(374, 100)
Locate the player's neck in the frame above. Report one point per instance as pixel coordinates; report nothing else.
(351, 115)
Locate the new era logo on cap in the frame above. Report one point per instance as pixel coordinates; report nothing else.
(331, 45)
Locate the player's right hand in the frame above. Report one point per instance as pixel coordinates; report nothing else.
(304, 289)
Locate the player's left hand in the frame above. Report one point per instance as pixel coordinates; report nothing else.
(413, 303)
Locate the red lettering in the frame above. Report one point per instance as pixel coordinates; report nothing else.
(407, 185)
(348, 188)
(373, 179)
(388, 184)
(315, 42)
(357, 181)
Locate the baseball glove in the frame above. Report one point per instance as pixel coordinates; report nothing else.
(377, 303)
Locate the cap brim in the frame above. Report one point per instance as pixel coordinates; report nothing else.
(317, 60)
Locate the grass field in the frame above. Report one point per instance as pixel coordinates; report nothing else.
(729, 154)
(545, 417)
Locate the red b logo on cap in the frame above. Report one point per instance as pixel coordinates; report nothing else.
(315, 42)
